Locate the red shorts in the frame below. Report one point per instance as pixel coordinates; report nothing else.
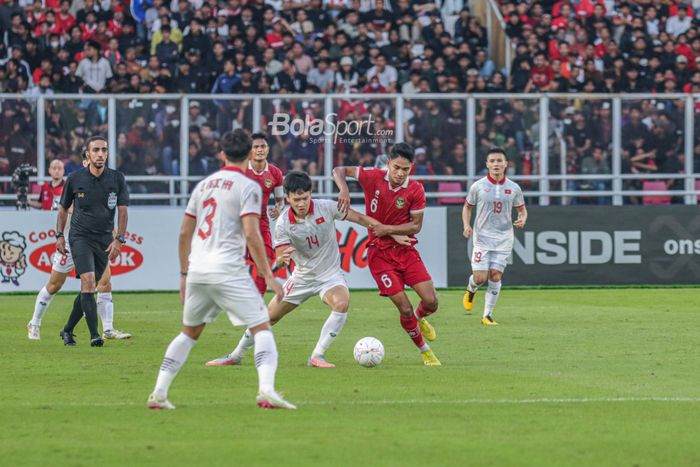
(269, 252)
(394, 268)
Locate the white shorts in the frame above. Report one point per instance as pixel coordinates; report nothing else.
(298, 291)
(62, 263)
(484, 260)
(239, 298)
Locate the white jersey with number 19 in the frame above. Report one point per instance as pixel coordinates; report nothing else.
(494, 201)
(218, 246)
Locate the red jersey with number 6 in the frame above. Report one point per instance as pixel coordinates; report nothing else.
(389, 205)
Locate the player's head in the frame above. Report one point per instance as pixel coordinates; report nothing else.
(260, 147)
(297, 187)
(235, 145)
(56, 169)
(96, 151)
(496, 161)
(400, 163)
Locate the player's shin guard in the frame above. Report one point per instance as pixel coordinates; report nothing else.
(410, 325)
(75, 315)
(492, 292)
(175, 357)
(423, 311)
(89, 306)
(266, 359)
(247, 341)
(43, 300)
(105, 308)
(330, 330)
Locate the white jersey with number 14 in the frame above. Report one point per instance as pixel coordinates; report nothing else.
(218, 246)
(494, 201)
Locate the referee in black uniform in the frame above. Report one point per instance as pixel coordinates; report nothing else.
(95, 192)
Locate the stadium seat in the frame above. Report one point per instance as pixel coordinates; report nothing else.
(450, 187)
(657, 185)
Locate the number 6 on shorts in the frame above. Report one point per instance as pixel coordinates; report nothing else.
(386, 280)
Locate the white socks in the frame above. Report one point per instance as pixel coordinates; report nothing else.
(175, 357)
(105, 308)
(492, 292)
(330, 330)
(472, 287)
(246, 342)
(265, 360)
(43, 300)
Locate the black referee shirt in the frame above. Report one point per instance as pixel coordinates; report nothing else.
(94, 200)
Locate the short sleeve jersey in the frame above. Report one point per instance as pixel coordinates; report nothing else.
(218, 246)
(389, 205)
(270, 180)
(494, 201)
(314, 239)
(51, 196)
(94, 200)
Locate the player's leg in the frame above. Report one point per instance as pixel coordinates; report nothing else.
(277, 309)
(105, 307)
(338, 299)
(43, 300)
(492, 292)
(417, 277)
(409, 323)
(480, 269)
(199, 310)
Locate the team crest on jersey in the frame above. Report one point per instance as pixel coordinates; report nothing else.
(400, 203)
(268, 183)
(376, 194)
(112, 200)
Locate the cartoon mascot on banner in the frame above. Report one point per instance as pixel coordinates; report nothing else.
(13, 263)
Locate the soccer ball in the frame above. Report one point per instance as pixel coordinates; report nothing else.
(369, 352)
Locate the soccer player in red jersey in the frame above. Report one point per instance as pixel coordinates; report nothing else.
(397, 204)
(270, 179)
(52, 190)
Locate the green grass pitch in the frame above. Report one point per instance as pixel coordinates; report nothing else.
(570, 377)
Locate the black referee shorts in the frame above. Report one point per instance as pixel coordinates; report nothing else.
(89, 255)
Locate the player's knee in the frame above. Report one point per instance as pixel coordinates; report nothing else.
(431, 303)
(341, 306)
(495, 276)
(406, 309)
(104, 287)
(480, 278)
(53, 287)
(87, 285)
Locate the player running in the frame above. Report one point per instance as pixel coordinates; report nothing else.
(61, 266)
(221, 218)
(494, 197)
(270, 179)
(398, 204)
(306, 233)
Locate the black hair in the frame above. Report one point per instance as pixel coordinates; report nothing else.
(236, 145)
(497, 150)
(297, 181)
(91, 140)
(404, 150)
(259, 135)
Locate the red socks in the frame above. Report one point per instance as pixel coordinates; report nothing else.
(422, 311)
(410, 325)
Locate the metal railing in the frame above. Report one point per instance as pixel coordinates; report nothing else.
(538, 184)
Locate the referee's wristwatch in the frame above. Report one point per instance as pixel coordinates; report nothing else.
(121, 239)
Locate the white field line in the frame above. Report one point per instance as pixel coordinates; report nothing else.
(583, 400)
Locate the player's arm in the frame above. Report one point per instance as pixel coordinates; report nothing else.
(122, 209)
(184, 245)
(359, 218)
(339, 177)
(467, 219)
(409, 228)
(522, 217)
(256, 247)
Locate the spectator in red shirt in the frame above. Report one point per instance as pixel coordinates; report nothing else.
(51, 191)
(64, 20)
(541, 74)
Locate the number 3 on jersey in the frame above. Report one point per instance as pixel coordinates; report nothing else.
(208, 219)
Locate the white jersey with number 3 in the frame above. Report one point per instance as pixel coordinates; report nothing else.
(494, 201)
(218, 246)
(316, 254)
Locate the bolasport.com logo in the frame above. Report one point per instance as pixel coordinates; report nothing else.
(318, 130)
(129, 259)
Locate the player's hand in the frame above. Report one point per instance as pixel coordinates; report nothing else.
(286, 258)
(343, 200)
(467, 231)
(403, 240)
(61, 245)
(113, 249)
(183, 287)
(519, 222)
(381, 230)
(276, 287)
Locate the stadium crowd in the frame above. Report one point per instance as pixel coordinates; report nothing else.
(239, 47)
